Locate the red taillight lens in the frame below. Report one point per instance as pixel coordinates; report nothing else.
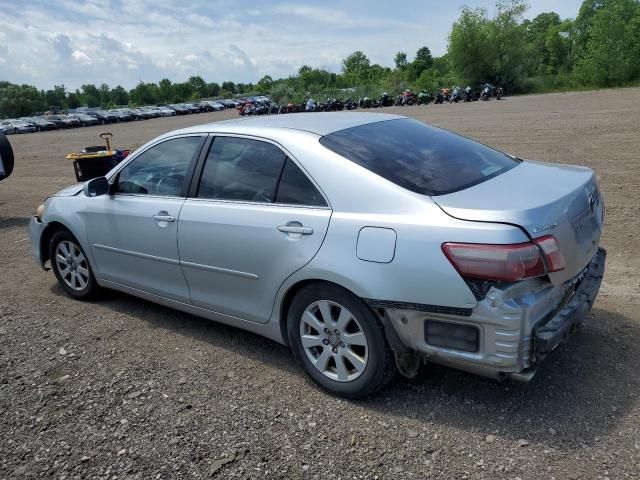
(505, 262)
(551, 249)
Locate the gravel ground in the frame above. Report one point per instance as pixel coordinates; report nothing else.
(122, 388)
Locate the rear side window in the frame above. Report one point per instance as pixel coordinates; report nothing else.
(241, 169)
(419, 157)
(295, 188)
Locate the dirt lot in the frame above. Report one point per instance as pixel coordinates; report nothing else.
(122, 388)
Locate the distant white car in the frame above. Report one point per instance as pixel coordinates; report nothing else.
(17, 126)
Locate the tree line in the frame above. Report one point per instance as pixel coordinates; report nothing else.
(599, 48)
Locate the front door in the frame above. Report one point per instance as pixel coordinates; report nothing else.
(255, 220)
(133, 232)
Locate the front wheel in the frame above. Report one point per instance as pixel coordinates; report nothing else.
(339, 341)
(71, 267)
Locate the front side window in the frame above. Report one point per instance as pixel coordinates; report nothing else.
(241, 169)
(161, 170)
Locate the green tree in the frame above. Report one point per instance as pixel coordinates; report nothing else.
(470, 49)
(89, 95)
(198, 87)
(494, 50)
(119, 96)
(423, 56)
(74, 100)
(105, 94)
(401, 61)
(214, 89)
(609, 56)
(282, 93)
(229, 87)
(19, 100)
(56, 97)
(355, 66)
(265, 84)
(165, 91)
(144, 94)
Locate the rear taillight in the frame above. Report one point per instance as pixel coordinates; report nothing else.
(552, 253)
(505, 262)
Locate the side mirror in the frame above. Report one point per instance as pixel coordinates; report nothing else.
(6, 157)
(96, 187)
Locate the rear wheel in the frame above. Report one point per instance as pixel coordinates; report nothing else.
(71, 267)
(339, 341)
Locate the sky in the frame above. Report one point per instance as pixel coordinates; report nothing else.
(73, 42)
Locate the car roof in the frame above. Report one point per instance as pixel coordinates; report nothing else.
(319, 123)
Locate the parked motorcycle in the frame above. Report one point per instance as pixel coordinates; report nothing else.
(485, 94)
(408, 98)
(467, 96)
(350, 104)
(424, 98)
(385, 100)
(365, 102)
(456, 95)
(310, 105)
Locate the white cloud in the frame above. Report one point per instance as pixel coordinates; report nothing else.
(81, 57)
(74, 42)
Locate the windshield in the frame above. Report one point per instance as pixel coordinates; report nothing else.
(419, 157)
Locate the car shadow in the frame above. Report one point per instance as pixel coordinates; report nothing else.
(584, 387)
(7, 223)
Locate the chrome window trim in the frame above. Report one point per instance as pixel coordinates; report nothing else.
(142, 195)
(250, 203)
(289, 156)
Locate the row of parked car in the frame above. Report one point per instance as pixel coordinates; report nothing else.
(85, 117)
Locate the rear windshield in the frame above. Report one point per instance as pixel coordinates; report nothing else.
(419, 157)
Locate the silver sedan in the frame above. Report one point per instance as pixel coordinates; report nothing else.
(368, 243)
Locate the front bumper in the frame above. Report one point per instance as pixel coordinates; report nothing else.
(36, 228)
(518, 325)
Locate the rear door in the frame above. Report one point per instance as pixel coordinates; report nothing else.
(254, 219)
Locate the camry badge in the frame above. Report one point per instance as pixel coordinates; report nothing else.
(543, 228)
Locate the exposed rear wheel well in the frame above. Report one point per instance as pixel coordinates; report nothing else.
(290, 295)
(45, 239)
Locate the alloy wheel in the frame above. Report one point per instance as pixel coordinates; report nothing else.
(72, 265)
(334, 341)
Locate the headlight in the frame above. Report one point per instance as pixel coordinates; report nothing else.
(40, 211)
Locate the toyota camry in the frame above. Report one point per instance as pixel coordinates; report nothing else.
(371, 244)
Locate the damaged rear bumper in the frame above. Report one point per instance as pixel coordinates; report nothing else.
(550, 333)
(507, 334)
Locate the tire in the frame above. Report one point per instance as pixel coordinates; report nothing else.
(77, 278)
(16, 131)
(369, 360)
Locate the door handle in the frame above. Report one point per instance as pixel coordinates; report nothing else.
(164, 218)
(294, 229)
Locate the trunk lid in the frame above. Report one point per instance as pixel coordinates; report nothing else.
(543, 199)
